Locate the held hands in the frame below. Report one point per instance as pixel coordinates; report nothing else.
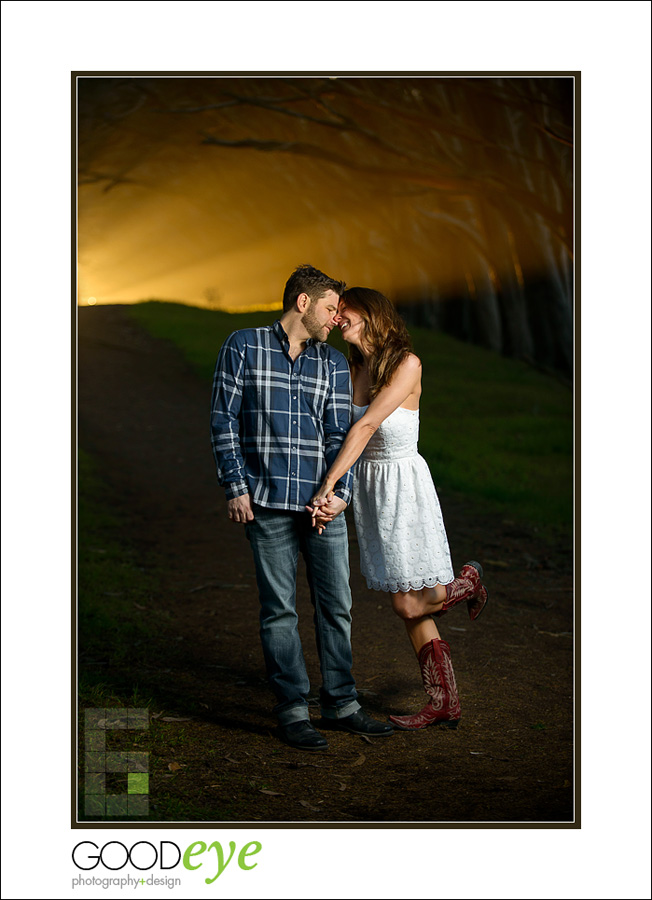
(324, 507)
(239, 509)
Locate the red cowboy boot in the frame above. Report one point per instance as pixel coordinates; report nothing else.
(439, 683)
(467, 586)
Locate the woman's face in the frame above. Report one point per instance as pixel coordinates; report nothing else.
(350, 323)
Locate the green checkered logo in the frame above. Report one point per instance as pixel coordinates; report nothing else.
(99, 761)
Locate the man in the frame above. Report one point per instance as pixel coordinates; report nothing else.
(281, 408)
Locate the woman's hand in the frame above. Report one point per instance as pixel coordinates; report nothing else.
(324, 507)
(317, 508)
(323, 496)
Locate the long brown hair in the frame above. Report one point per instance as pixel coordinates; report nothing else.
(384, 332)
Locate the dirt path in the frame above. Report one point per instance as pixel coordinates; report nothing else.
(143, 414)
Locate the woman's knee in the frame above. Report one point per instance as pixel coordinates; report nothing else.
(405, 606)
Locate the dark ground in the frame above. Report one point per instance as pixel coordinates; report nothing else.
(143, 416)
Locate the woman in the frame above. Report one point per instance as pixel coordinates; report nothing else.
(403, 544)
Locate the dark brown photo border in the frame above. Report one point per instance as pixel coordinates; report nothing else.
(144, 825)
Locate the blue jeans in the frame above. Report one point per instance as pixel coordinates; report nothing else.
(276, 537)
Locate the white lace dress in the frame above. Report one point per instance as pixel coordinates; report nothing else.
(403, 543)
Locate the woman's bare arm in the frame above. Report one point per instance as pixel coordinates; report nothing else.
(404, 383)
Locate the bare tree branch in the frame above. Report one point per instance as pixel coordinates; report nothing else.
(464, 186)
(98, 177)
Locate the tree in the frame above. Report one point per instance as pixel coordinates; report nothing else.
(479, 172)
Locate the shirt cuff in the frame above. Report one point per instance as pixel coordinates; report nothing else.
(236, 489)
(343, 493)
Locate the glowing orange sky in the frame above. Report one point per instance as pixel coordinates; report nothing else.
(224, 227)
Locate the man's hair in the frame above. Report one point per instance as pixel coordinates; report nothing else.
(308, 280)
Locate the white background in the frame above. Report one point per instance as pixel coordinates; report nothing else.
(609, 43)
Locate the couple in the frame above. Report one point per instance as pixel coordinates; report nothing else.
(281, 425)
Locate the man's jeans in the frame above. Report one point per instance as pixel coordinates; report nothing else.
(276, 537)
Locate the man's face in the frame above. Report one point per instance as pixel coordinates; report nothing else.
(321, 316)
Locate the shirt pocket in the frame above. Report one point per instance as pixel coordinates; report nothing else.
(315, 400)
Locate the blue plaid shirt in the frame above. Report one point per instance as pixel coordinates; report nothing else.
(278, 424)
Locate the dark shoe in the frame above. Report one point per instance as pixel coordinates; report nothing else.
(302, 735)
(359, 723)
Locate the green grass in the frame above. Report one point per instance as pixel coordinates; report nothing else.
(492, 429)
(199, 333)
(497, 430)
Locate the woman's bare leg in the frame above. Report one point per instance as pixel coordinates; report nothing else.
(416, 609)
(420, 631)
(433, 656)
(416, 604)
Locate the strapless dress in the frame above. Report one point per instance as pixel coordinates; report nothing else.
(398, 519)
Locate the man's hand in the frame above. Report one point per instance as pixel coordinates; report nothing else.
(239, 509)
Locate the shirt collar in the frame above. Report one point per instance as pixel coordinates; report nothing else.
(280, 333)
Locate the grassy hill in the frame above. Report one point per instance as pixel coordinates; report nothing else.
(492, 428)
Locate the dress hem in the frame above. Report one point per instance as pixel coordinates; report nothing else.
(404, 586)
